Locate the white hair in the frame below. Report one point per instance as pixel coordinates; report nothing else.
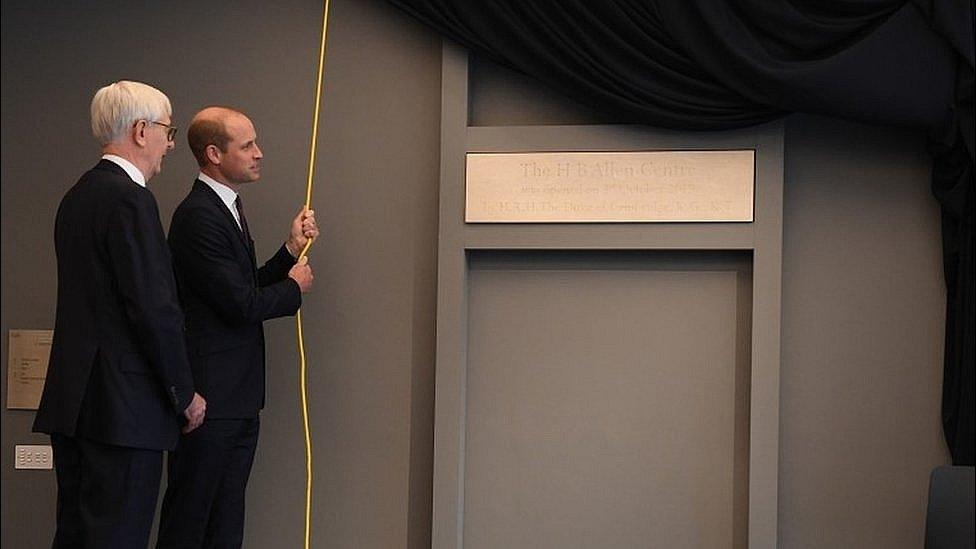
(117, 107)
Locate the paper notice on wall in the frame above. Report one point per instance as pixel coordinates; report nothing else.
(28, 353)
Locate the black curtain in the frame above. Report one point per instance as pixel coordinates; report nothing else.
(717, 64)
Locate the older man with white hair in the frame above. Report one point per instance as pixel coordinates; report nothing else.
(118, 386)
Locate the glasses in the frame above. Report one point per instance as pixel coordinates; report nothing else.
(170, 130)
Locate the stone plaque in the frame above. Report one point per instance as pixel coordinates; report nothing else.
(614, 187)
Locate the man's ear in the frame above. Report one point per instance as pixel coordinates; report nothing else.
(139, 132)
(213, 154)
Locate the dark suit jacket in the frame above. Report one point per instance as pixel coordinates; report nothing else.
(225, 299)
(118, 371)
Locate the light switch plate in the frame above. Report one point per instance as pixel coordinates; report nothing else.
(33, 456)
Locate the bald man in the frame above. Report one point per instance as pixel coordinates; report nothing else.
(225, 299)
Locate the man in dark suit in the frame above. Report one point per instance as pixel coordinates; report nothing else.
(118, 381)
(225, 298)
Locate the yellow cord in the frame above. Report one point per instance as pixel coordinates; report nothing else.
(308, 439)
(298, 316)
(318, 100)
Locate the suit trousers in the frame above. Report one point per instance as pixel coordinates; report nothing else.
(207, 482)
(106, 494)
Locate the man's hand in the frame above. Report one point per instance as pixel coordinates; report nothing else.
(194, 413)
(302, 274)
(303, 229)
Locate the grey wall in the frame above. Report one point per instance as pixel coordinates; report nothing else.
(863, 316)
(369, 322)
(862, 293)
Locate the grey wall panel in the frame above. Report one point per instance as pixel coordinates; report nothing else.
(370, 319)
(502, 97)
(863, 313)
(863, 306)
(602, 405)
(763, 237)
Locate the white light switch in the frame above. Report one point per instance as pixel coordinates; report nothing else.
(33, 456)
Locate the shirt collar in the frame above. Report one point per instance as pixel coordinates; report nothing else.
(226, 194)
(133, 172)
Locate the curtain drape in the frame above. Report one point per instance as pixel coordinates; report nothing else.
(717, 64)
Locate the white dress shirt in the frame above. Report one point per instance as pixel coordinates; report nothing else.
(226, 194)
(134, 173)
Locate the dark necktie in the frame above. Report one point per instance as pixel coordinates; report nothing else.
(247, 235)
(243, 220)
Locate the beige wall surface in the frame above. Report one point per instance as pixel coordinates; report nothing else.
(863, 298)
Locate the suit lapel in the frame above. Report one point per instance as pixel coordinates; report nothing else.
(201, 187)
